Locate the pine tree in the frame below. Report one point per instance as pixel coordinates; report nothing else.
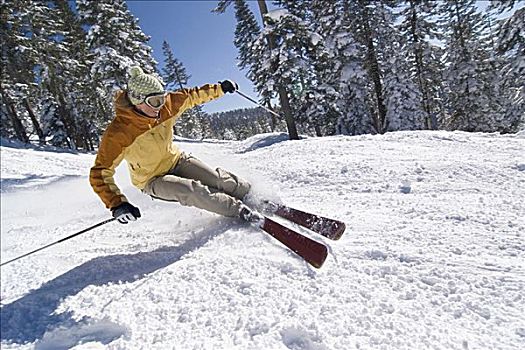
(246, 32)
(206, 127)
(260, 50)
(46, 62)
(289, 65)
(510, 46)
(173, 73)
(76, 78)
(418, 28)
(366, 27)
(471, 96)
(18, 60)
(40, 70)
(59, 39)
(189, 124)
(318, 109)
(239, 124)
(403, 100)
(175, 76)
(53, 127)
(282, 90)
(115, 42)
(340, 71)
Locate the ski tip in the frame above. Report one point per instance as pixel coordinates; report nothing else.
(318, 264)
(338, 233)
(319, 260)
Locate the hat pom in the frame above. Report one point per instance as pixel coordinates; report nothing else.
(135, 71)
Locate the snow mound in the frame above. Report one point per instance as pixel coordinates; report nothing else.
(260, 141)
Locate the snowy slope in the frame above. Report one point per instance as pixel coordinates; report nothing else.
(433, 256)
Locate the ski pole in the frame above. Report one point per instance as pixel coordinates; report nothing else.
(59, 241)
(257, 103)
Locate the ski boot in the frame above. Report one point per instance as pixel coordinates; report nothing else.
(250, 216)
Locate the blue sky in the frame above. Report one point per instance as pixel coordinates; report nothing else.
(202, 40)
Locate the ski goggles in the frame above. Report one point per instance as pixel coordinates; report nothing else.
(155, 100)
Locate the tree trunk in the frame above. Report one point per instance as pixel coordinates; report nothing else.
(64, 115)
(69, 123)
(178, 78)
(380, 122)
(318, 132)
(283, 96)
(273, 119)
(89, 137)
(36, 124)
(463, 113)
(418, 54)
(20, 131)
(85, 137)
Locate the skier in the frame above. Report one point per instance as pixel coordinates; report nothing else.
(142, 133)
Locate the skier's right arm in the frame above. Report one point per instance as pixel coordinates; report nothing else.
(109, 156)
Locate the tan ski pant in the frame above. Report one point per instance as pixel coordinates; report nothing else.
(193, 183)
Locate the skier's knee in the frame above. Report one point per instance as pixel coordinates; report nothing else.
(193, 193)
(232, 184)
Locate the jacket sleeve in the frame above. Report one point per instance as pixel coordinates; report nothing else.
(185, 99)
(109, 156)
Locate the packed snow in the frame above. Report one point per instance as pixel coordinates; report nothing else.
(433, 255)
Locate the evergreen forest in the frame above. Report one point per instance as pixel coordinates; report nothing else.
(345, 67)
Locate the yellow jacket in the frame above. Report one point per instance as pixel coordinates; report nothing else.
(145, 143)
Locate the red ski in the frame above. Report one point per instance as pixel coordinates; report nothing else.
(329, 228)
(311, 251)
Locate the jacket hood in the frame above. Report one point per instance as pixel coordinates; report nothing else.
(122, 99)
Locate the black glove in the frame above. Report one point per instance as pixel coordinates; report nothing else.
(229, 86)
(125, 213)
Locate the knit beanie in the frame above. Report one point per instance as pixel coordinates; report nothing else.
(141, 85)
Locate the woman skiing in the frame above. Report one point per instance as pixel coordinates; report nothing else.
(142, 133)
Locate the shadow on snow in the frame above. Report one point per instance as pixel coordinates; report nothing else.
(9, 184)
(267, 141)
(11, 143)
(29, 318)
